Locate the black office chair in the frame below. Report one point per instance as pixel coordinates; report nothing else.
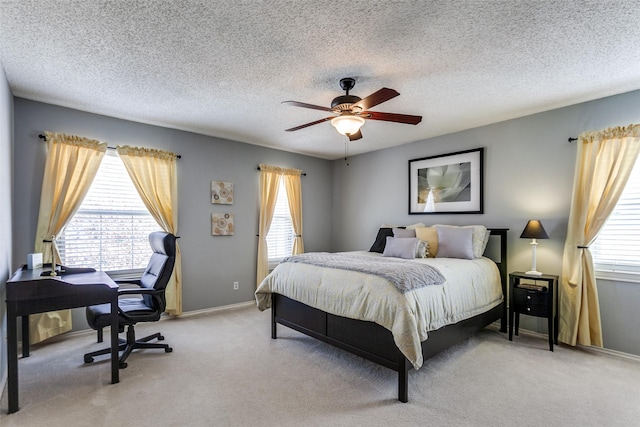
(146, 307)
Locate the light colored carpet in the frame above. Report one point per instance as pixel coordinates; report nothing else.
(225, 370)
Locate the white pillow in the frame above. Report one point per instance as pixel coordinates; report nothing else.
(401, 247)
(480, 238)
(455, 242)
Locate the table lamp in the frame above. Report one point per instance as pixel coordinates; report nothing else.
(534, 231)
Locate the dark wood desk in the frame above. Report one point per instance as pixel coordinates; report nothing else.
(29, 293)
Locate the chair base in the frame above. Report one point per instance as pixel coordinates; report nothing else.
(128, 345)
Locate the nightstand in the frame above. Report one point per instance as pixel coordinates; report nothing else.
(534, 296)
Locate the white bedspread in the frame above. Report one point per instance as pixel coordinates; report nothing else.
(471, 287)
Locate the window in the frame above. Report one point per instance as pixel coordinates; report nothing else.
(110, 230)
(280, 237)
(616, 251)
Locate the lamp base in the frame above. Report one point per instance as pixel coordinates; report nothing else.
(533, 273)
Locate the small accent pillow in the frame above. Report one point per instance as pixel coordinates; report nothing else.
(429, 235)
(479, 239)
(422, 249)
(404, 232)
(381, 240)
(401, 247)
(455, 242)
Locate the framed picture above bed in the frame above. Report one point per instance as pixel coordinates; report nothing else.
(447, 183)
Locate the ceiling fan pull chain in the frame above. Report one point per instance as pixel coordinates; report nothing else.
(346, 151)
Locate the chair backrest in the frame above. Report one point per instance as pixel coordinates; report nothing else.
(160, 267)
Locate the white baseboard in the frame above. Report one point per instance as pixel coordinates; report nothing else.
(589, 348)
(214, 309)
(610, 352)
(164, 317)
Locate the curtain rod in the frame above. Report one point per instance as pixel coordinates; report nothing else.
(302, 173)
(44, 138)
(571, 139)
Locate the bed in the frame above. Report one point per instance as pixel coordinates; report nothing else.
(367, 316)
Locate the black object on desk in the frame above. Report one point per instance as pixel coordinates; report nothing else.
(534, 300)
(61, 270)
(29, 293)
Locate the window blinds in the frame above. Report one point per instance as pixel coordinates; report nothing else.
(110, 230)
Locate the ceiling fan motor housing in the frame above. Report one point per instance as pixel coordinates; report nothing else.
(344, 102)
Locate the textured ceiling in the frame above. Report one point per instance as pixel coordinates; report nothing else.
(222, 68)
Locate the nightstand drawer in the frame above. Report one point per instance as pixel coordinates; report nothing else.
(530, 302)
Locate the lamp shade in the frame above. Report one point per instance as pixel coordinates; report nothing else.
(347, 124)
(534, 230)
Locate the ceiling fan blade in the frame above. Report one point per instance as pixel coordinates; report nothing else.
(392, 117)
(309, 124)
(305, 105)
(376, 98)
(355, 136)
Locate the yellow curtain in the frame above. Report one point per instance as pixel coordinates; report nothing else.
(294, 195)
(269, 183)
(154, 175)
(604, 162)
(71, 165)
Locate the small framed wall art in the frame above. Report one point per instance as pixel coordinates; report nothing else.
(221, 224)
(221, 193)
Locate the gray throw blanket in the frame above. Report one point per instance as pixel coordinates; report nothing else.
(405, 275)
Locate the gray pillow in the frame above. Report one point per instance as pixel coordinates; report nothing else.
(404, 233)
(480, 237)
(400, 247)
(455, 242)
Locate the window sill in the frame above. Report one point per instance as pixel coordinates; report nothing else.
(618, 276)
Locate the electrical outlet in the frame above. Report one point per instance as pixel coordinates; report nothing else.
(235, 286)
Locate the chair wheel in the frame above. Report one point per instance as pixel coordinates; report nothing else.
(160, 337)
(168, 350)
(123, 365)
(88, 359)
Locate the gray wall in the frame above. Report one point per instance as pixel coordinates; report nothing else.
(6, 136)
(210, 264)
(529, 169)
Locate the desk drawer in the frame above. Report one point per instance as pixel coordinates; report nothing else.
(531, 302)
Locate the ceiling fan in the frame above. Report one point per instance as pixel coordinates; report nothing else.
(352, 111)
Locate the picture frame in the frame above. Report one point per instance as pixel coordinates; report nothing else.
(447, 183)
(222, 224)
(221, 193)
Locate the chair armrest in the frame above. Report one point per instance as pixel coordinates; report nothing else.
(128, 281)
(139, 291)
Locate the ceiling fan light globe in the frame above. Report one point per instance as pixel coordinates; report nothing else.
(347, 125)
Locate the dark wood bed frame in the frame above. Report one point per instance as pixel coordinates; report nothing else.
(375, 343)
